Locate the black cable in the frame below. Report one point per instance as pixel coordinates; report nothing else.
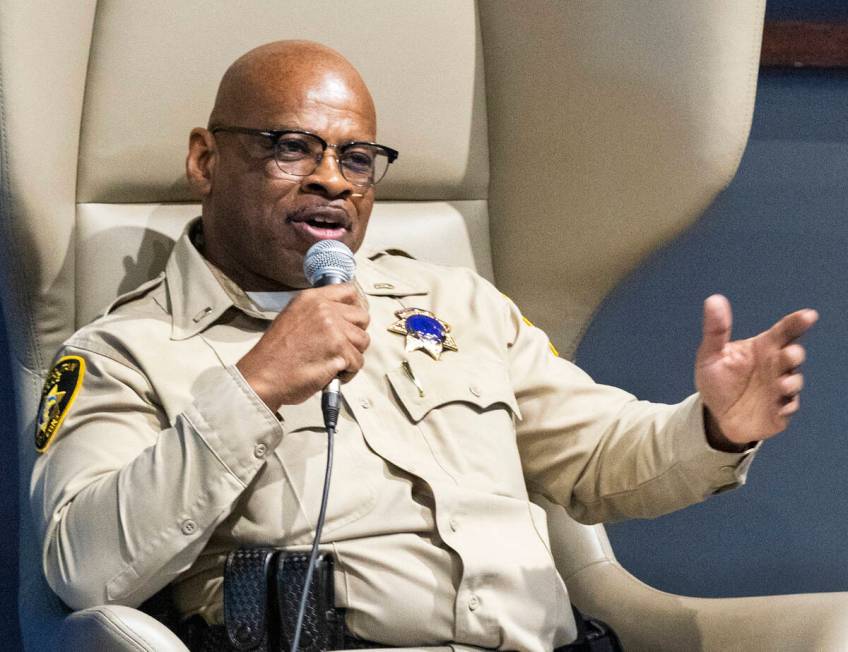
(313, 556)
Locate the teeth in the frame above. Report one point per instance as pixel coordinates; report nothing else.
(324, 220)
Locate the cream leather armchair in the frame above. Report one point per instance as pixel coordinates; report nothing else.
(550, 145)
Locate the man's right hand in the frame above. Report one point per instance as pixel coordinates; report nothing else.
(320, 335)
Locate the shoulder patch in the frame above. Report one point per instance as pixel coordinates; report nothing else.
(60, 389)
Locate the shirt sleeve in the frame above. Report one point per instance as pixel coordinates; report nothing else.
(124, 500)
(601, 453)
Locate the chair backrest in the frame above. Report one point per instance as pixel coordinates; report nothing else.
(582, 135)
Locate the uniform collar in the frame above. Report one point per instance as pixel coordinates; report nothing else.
(198, 298)
(376, 280)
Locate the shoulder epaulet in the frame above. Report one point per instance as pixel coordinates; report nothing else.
(389, 252)
(141, 290)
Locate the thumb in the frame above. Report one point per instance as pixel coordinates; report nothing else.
(718, 321)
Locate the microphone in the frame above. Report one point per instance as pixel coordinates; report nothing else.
(329, 262)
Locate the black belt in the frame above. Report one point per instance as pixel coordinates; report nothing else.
(262, 590)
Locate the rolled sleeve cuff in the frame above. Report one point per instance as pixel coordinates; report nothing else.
(718, 470)
(235, 424)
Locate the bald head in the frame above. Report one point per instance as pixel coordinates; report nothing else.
(289, 73)
(259, 219)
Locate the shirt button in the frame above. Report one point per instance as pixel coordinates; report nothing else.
(474, 390)
(365, 403)
(473, 602)
(454, 524)
(188, 526)
(259, 450)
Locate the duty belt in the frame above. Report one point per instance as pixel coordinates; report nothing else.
(262, 592)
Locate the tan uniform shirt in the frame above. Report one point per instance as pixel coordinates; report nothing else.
(166, 460)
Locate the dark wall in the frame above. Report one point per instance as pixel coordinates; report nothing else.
(9, 630)
(815, 10)
(776, 240)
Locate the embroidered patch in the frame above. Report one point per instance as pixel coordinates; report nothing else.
(60, 389)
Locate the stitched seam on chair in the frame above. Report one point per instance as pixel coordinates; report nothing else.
(20, 303)
(74, 235)
(629, 575)
(589, 565)
(126, 633)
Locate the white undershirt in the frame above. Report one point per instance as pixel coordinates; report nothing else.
(272, 301)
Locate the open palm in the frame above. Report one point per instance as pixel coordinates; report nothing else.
(750, 386)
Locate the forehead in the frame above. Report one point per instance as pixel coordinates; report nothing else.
(319, 98)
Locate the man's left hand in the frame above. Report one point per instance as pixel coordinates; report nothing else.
(749, 387)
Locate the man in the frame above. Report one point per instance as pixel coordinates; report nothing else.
(185, 423)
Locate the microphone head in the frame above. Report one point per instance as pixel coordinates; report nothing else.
(327, 262)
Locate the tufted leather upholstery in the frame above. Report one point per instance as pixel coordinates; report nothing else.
(580, 135)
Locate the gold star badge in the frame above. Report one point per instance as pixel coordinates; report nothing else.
(424, 331)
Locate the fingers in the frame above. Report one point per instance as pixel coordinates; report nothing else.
(790, 407)
(355, 315)
(341, 293)
(350, 343)
(791, 357)
(346, 294)
(350, 360)
(321, 334)
(793, 326)
(790, 385)
(718, 321)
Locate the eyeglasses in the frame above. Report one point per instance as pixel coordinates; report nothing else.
(299, 153)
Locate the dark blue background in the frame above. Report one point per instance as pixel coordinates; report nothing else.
(823, 10)
(775, 240)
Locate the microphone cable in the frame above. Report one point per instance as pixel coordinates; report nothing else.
(327, 262)
(313, 556)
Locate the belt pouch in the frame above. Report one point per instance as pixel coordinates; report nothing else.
(248, 613)
(323, 624)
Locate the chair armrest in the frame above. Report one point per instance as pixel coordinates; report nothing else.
(115, 627)
(647, 619)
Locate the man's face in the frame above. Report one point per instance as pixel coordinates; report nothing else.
(258, 220)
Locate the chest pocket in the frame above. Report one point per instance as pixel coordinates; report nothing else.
(466, 410)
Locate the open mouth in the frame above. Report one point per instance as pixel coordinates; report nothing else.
(321, 225)
(322, 222)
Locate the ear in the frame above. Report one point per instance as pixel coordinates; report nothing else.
(201, 160)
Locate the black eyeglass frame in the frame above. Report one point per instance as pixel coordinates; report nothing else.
(275, 134)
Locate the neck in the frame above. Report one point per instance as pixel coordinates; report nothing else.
(245, 279)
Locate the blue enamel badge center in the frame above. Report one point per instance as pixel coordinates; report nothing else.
(424, 331)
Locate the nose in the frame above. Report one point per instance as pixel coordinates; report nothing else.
(327, 178)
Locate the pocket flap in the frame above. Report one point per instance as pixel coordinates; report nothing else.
(303, 416)
(479, 382)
